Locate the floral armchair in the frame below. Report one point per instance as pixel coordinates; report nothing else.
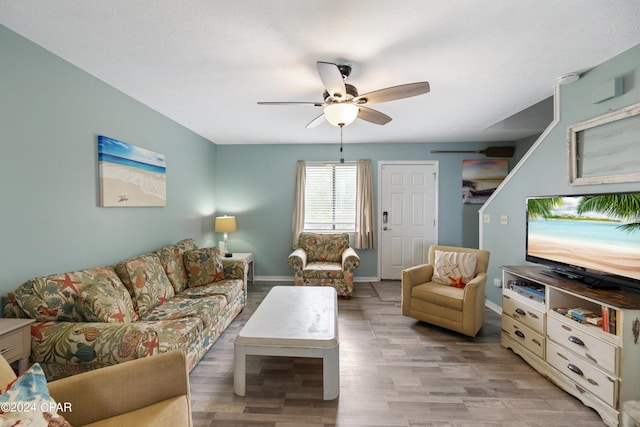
(324, 260)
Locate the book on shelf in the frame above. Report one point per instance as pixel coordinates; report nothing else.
(610, 321)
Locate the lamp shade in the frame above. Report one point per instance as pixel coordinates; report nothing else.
(341, 113)
(225, 224)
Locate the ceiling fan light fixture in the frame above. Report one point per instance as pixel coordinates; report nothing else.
(341, 113)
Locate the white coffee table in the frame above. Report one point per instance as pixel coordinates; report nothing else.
(293, 321)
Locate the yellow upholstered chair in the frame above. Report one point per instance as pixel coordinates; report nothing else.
(449, 291)
(151, 391)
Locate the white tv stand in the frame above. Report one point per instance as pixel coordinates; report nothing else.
(601, 369)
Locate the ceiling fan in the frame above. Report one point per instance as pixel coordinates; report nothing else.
(342, 104)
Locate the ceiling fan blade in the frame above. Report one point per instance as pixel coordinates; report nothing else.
(315, 104)
(393, 93)
(331, 79)
(373, 116)
(315, 122)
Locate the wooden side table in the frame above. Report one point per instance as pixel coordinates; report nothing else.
(15, 341)
(246, 257)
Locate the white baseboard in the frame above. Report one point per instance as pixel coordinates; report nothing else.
(493, 306)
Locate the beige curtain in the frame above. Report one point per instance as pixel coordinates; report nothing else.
(364, 238)
(297, 224)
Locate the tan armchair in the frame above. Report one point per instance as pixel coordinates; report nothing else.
(324, 260)
(151, 391)
(458, 309)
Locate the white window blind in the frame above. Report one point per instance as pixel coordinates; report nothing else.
(330, 197)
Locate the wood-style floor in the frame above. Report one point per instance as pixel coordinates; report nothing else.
(394, 371)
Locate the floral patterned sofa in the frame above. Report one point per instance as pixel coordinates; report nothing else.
(178, 296)
(324, 260)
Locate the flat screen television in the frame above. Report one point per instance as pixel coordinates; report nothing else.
(593, 239)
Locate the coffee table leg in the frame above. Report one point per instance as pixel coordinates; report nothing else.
(239, 369)
(331, 373)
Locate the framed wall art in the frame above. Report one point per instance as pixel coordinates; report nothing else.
(480, 178)
(606, 149)
(130, 175)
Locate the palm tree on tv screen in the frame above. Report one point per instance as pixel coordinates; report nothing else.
(542, 207)
(625, 207)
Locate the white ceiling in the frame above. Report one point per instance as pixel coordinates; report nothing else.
(205, 63)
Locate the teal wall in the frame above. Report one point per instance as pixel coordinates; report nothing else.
(50, 115)
(255, 183)
(543, 170)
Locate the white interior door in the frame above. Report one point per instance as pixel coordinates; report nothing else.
(407, 215)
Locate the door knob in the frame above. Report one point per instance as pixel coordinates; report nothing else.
(386, 228)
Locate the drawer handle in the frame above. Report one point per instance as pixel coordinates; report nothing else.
(566, 327)
(535, 341)
(580, 389)
(520, 312)
(573, 368)
(575, 340)
(519, 333)
(6, 350)
(592, 382)
(506, 297)
(535, 316)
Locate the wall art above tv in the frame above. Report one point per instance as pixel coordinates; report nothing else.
(130, 175)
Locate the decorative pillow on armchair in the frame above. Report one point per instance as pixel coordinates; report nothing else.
(454, 268)
(203, 266)
(26, 401)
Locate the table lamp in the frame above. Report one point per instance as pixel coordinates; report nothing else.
(225, 224)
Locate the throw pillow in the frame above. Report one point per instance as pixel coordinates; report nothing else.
(151, 286)
(173, 264)
(454, 268)
(203, 266)
(109, 303)
(26, 401)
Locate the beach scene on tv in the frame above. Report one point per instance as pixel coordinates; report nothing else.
(598, 232)
(130, 175)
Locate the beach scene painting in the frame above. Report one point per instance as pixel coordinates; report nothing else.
(480, 178)
(130, 175)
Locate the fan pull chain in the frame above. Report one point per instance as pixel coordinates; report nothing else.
(341, 158)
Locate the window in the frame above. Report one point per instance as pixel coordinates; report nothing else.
(330, 197)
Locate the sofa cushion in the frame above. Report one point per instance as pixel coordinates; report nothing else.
(230, 289)
(203, 266)
(439, 295)
(151, 286)
(169, 412)
(323, 270)
(110, 303)
(454, 268)
(26, 401)
(324, 247)
(206, 309)
(53, 297)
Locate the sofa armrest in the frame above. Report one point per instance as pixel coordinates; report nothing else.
(122, 388)
(474, 289)
(350, 258)
(298, 259)
(91, 343)
(411, 277)
(234, 269)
